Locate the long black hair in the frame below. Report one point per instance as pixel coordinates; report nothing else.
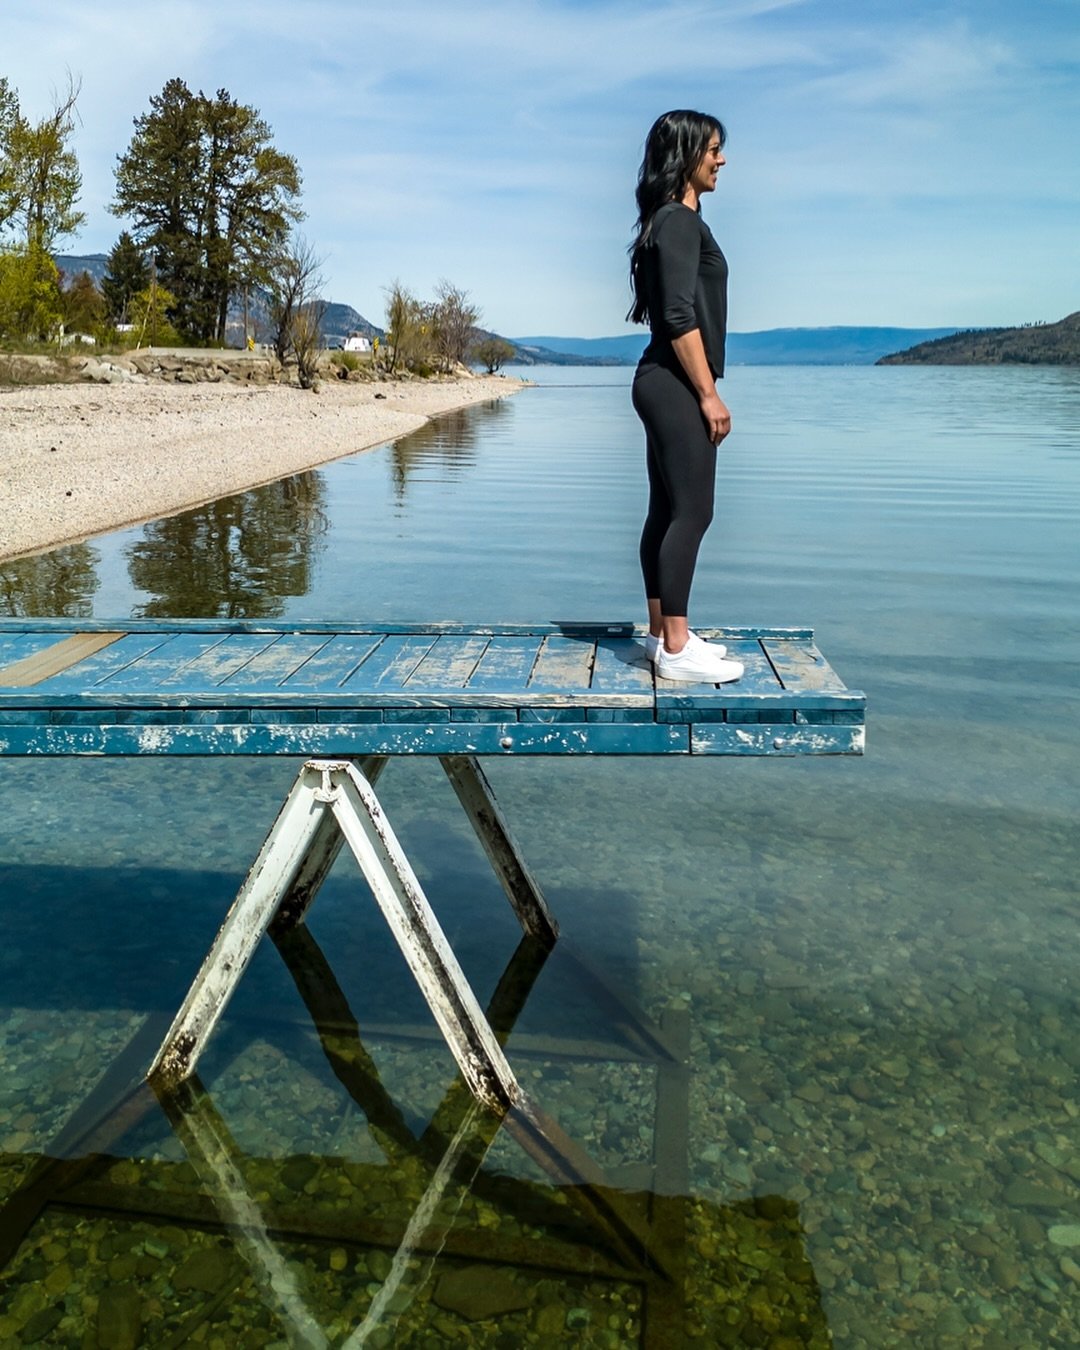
(674, 147)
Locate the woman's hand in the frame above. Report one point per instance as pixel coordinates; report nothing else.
(716, 415)
(690, 350)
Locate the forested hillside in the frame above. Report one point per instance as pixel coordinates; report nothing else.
(1050, 344)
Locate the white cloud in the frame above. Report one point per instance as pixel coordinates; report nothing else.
(918, 69)
(497, 143)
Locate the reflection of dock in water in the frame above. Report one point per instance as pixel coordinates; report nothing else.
(296, 1239)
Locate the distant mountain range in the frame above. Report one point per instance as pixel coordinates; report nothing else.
(1044, 344)
(771, 347)
(97, 264)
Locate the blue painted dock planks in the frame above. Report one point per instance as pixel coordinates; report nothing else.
(506, 665)
(210, 687)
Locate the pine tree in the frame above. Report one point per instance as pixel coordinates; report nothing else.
(128, 273)
(83, 307)
(211, 195)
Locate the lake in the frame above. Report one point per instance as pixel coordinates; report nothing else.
(872, 959)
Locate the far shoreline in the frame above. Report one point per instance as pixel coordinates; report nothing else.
(81, 460)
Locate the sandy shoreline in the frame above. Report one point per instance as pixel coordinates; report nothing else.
(76, 460)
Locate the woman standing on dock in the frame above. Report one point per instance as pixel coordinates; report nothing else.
(679, 279)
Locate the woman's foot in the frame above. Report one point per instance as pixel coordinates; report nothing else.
(654, 644)
(697, 663)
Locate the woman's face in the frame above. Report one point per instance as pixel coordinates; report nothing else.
(703, 178)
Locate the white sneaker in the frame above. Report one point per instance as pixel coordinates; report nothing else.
(700, 645)
(697, 665)
(653, 646)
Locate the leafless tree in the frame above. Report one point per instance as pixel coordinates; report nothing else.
(307, 341)
(295, 281)
(453, 321)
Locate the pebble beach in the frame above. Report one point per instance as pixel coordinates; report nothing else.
(78, 459)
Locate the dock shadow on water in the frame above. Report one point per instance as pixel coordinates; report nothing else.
(192, 1216)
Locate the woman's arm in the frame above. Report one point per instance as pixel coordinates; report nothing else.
(691, 353)
(678, 248)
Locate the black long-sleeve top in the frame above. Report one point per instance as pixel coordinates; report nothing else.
(684, 276)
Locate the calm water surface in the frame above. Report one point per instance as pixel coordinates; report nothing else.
(872, 960)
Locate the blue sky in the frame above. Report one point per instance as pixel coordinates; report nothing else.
(909, 162)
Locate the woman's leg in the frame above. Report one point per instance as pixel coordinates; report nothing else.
(682, 478)
(656, 525)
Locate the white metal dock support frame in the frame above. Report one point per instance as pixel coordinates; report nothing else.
(332, 802)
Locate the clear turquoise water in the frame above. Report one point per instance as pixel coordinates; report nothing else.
(876, 955)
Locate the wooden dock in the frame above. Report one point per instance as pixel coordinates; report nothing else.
(210, 687)
(348, 699)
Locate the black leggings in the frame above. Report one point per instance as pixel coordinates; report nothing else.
(682, 480)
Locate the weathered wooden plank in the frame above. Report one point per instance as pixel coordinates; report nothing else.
(390, 664)
(449, 663)
(620, 666)
(202, 717)
(332, 665)
(571, 712)
(177, 695)
(56, 658)
(347, 716)
(15, 645)
(168, 659)
(506, 665)
(691, 707)
(355, 738)
(291, 717)
(275, 663)
(634, 714)
(80, 717)
(423, 715)
(563, 663)
(624, 628)
(774, 715)
(101, 665)
(218, 663)
(801, 666)
(724, 738)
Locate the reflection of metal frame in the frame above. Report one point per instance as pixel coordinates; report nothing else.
(640, 1239)
(333, 802)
